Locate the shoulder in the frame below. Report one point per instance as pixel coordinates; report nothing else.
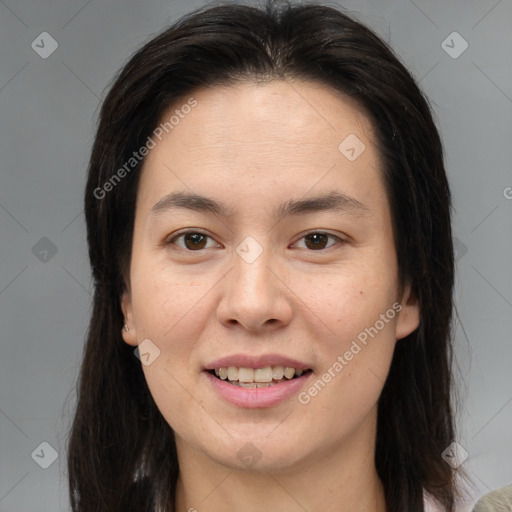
(430, 505)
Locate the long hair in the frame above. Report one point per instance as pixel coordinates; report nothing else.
(121, 451)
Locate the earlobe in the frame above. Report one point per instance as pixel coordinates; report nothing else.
(128, 330)
(409, 317)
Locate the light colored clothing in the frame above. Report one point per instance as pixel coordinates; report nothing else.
(499, 500)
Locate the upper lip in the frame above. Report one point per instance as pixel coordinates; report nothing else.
(247, 361)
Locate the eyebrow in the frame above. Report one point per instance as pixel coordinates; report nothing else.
(332, 201)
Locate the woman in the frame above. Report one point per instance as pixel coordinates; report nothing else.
(268, 222)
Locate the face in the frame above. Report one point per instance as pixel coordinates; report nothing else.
(289, 263)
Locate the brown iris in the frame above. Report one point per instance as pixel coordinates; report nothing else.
(197, 240)
(319, 240)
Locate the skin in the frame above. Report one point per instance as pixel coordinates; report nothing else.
(253, 147)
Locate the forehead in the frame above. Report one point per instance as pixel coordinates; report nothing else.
(259, 138)
(271, 114)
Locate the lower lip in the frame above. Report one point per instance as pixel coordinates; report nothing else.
(253, 398)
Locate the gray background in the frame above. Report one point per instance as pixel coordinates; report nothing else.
(47, 112)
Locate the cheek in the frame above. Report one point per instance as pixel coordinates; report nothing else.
(165, 303)
(174, 396)
(355, 366)
(358, 312)
(348, 299)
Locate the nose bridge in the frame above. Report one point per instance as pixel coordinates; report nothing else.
(253, 294)
(252, 263)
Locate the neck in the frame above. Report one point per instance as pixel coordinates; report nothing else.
(344, 479)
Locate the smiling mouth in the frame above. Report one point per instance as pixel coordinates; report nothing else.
(257, 377)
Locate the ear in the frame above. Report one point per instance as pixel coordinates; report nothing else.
(409, 317)
(130, 335)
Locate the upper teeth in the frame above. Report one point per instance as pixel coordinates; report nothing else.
(266, 374)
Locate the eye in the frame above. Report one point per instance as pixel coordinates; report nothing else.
(197, 241)
(193, 240)
(316, 240)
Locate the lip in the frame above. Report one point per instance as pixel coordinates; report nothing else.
(246, 361)
(257, 398)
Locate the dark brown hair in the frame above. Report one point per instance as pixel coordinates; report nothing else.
(121, 451)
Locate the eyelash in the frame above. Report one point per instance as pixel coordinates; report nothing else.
(195, 232)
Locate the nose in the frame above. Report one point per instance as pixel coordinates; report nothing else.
(254, 295)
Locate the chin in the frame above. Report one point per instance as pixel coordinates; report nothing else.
(279, 454)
